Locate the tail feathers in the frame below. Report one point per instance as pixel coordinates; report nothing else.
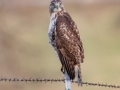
(78, 75)
(67, 81)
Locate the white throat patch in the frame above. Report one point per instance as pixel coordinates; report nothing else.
(52, 27)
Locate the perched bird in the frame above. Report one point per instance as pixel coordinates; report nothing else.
(65, 39)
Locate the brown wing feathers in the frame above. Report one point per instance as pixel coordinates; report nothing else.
(67, 59)
(76, 33)
(68, 44)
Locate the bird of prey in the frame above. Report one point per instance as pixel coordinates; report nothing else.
(64, 37)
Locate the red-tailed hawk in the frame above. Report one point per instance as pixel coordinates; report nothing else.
(65, 39)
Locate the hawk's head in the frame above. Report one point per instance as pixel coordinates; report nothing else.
(56, 6)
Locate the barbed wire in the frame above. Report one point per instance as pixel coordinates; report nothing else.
(54, 80)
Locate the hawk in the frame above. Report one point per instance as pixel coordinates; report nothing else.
(64, 37)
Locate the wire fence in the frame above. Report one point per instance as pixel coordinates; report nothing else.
(39, 80)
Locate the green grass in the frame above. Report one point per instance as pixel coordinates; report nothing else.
(25, 50)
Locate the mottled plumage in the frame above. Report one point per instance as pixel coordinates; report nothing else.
(65, 39)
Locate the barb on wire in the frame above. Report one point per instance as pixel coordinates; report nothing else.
(55, 80)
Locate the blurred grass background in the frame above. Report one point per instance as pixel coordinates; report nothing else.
(25, 51)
